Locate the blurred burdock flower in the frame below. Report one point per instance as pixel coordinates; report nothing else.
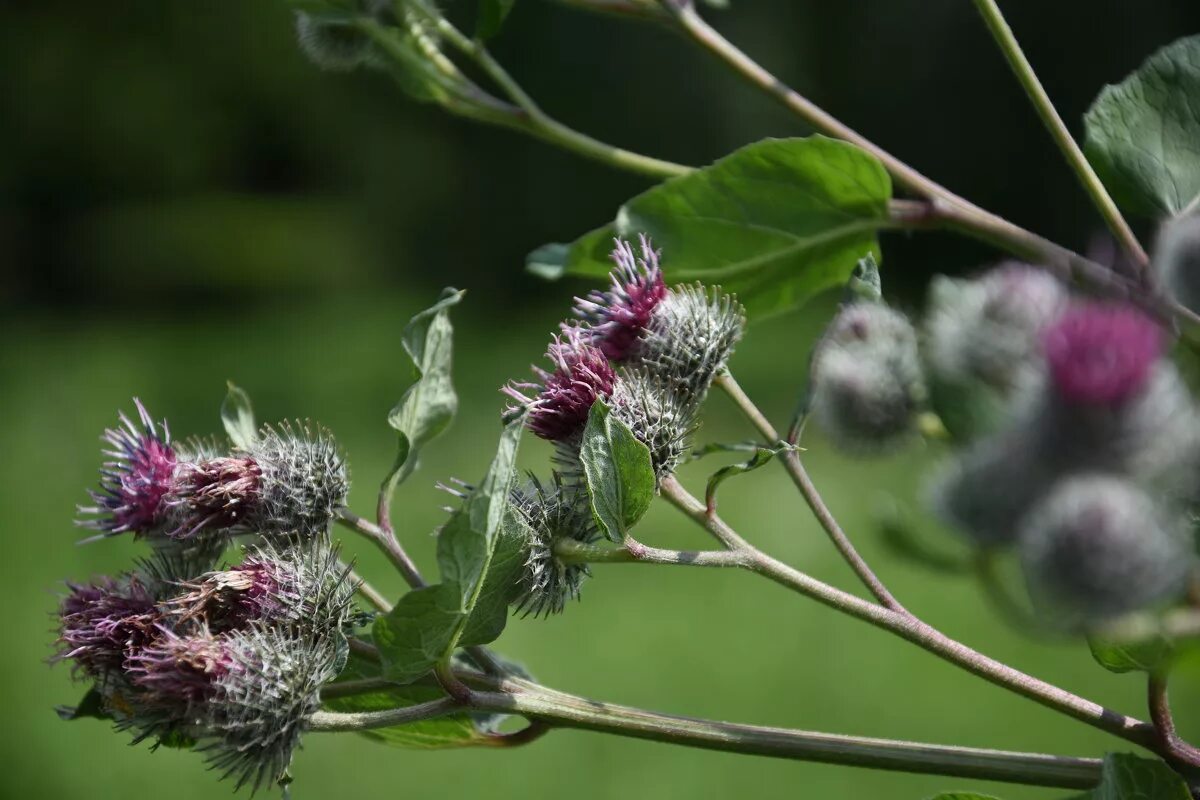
(656, 415)
(551, 513)
(616, 319)
(1102, 354)
(558, 408)
(302, 586)
(689, 339)
(1177, 259)
(100, 624)
(866, 382)
(334, 45)
(1098, 547)
(290, 481)
(135, 484)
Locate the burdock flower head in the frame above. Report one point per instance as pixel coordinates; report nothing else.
(617, 318)
(561, 400)
(690, 337)
(100, 624)
(175, 674)
(135, 484)
(1102, 355)
(290, 481)
(1097, 547)
(866, 378)
(658, 416)
(548, 514)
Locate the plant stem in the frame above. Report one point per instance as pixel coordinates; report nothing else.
(908, 627)
(372, 595)
(564, 710)
(386, 540)
(1007, 42)
(795, 469)
(634, 552)
(1173, 746)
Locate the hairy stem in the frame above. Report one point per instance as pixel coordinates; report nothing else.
(1173, 746)
(385, 539)
(369, 592)
(559, 709)
(1007, 42)
(634, 552)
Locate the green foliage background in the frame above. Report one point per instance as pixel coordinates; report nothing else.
(184, 200)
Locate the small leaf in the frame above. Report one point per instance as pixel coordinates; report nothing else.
(90, 707)
(1130, 777)
(747, 446)
(492, 14)
(618, 470)
(413, 636)
(1147, 655)
(762, 455)
(237, 415)
(1143, 134)
(775, 222)
(429, 404)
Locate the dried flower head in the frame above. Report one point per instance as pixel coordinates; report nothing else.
(866, 383)
(549, 514)
(1101, 354)
(617, 318)
(330, 44)
(562, 399)
(657, 416)
(690, 338)
(1177, 259)
(135, 484)
(100, 624)
(1098, 547)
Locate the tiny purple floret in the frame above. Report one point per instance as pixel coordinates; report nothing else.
(617, 318)
(563, 398)
(1102, 354)
(100, 624)
(177, 672)
(216, 494)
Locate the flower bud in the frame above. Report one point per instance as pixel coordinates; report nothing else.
(689, 339)
(866, 379)
(1177, 259)
(1101, 355)
(558, 410)
(330, 44)
(550, 514)
(657, 416)
(135, 484)
(616, 320)
(1097, 547)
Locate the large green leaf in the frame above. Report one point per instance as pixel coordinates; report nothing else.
(775, 222)
(428, 624)
(237, 416)
(618, 470)
(1143, 134)
(1130, 777)
(492, 14)
(429, 404)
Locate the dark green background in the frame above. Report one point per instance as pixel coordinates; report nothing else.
(184, 200)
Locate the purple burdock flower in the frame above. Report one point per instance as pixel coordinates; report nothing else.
(135, 483)
(1102, 355)
(216, 494)
(562, 398)
(230, 599)
(177, 673)
(101, 624)
(617, 318)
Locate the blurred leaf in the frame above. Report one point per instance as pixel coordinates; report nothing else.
(237, 415)
(776, 222)
(429, 404)
(1143, 134)
(1130, 777)
(962, 796)
(492, 14)
(619, 472)
(906, 538)
(427, 624)
(1147, 655)
(762, 455)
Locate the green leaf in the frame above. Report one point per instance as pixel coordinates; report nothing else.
(492, 14)
(775, 222)
(1143, 134)
(1130, 777)
(618, 470)
(501, 585)
(237, 416)
(762, 455)
(429, 404)
(414, 635)
(1146, 655)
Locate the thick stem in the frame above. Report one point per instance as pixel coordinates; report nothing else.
(1007, 42)
(386, 541)
(559, 709)
(634, 552)
(1173, 745)
(924, 636)
(795, 469)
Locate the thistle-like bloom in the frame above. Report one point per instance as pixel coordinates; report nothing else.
(290, 481)
(175, 674)
(1098, 547)
(1102, 355)
(1177, 259)
(617, 319)
(866, 380)
(101, 624)
(135, 484)
(561, 400)
(331, 45)
(690, 337)
(301, 586)
(548, 514)
(656, 415)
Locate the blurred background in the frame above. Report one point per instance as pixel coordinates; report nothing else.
(185, 200)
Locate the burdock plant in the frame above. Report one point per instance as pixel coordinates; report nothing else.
(1052, 391)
